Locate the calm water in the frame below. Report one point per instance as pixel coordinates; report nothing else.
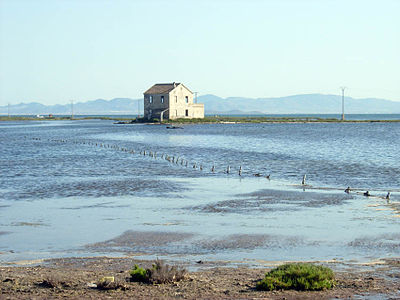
(63, 195)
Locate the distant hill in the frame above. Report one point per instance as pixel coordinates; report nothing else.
(296, 104)
(117, 106)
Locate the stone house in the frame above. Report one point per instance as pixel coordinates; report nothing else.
(171, 101)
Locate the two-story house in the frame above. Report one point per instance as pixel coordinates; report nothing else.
(171, 101)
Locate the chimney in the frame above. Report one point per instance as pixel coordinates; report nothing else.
(174, 84)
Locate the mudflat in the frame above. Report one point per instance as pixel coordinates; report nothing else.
(76, 278)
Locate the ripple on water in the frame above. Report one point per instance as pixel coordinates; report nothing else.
(248, 242)
(141, 241)
(95, 188)
(153, 242)
(388, 242)
(273, 200)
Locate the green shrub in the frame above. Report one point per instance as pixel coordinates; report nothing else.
(159, 273)
(139, 274)
(297, 276)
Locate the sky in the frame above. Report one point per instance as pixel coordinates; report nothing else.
(55, 51)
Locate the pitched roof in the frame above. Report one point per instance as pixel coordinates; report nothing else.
(162, 88)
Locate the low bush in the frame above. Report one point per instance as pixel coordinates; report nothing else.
(139, 274)
(297, 276)
(163, 273)
(159, 273)
(109, 283)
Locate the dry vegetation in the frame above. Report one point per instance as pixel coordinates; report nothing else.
(105, 278)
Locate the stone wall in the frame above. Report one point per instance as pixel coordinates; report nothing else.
(154, 109)
(198, 111)
(179, 104)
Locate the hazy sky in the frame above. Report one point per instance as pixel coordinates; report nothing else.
(56, 51)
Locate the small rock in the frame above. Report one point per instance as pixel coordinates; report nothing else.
(107, 279)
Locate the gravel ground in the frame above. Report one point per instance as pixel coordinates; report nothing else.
(76, 278)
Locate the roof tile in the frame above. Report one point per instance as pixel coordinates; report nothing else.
(162, 88)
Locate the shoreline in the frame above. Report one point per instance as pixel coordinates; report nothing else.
(77, 277)
(206, 120)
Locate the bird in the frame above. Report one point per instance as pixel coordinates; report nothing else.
(347, 190)
(367, 194)
(268, 176)
(303, 182)
(388, 196)
(240, 171)
(257, 175)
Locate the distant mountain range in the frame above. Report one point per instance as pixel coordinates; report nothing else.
(297, 104)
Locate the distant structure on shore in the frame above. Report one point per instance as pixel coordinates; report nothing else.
(171, 101)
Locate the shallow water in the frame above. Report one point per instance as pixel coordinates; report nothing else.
(76, 188)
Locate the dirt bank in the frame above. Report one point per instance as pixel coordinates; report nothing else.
(76, 278)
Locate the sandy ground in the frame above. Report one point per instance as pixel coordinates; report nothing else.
(76, 278)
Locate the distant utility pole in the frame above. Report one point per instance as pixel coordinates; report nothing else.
(8, 110)
(343, 88)
(72, 109)
(195, 97)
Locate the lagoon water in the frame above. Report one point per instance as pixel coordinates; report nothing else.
(75, 188)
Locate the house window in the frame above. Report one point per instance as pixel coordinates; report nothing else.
(187, 99)
(162, 99)
(151, 99)
(176, 99)
(150, 112)
(187, 112)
